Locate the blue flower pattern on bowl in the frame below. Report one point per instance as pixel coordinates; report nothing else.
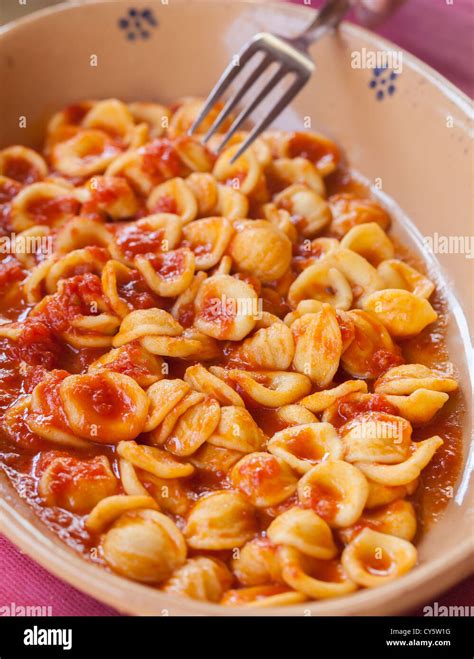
(383, 82)
(138, 23)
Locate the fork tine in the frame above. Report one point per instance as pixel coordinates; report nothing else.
(232, 102)
(267, 120)
(230, 73)
(274, 80)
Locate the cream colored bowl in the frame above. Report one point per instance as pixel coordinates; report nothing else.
(414, 143)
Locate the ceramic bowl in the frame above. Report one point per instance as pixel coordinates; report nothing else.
(409, 136)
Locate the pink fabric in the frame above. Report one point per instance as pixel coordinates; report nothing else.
(441, 35)
(24, 583)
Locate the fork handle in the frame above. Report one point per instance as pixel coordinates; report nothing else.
(328, 17)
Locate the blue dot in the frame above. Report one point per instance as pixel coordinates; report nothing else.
(393, 75)
(377, 72)
(380, 95)
(383, 81)
(148, 15)
(372, 84)
(391, 89)
(123, 23)
(133, 12)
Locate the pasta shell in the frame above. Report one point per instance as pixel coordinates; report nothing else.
(305, 531)
(237, 431)
(376, 437)
(145, 546)
(373, 559)
(264, 479)
(208, 239)
(324, 283)
(221, 520)
(336, 490)
(397, 274)
(268, 388)
(226, 308)
(261, 249)
(104, 407)
(403, 313)
(315, 578)
(408, 378)
(407, 471)
(370, 241)
(175, 197)
(204, 579)
(318, 345)
(153, 460)
(305, 445)
(310, 212)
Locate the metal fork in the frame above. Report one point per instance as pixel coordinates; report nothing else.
(292, 57)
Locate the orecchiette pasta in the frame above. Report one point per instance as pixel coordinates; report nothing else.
(66, 482)
(221, 520)
(304, 530)
(207, 365)
(321, 282)
(257, 563)
(403, 313)
(307, 206)
(272, 346)
(376, 437)
(370, 241)
(43, 203)
(318, 345)
(261, 249)
(144, 545)
(153, 460)
(267, 388)
(237, 430)
(407, 379)
(336, 490)
(374, 558)
(315, 578)
(403, 472)
(397, 274)
(103, 406)
(264, 478)
(397, 518)
(225, 308)
(304, 445)
(201, 578)
(348, 211)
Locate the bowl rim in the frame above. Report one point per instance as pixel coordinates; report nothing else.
(449, 89)
(435, 575)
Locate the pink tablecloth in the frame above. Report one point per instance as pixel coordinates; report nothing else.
(438, 33)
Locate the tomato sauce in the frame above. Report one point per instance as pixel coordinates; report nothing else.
(39, 350)
(302, 445)
(133, 240)
(166, 204)
(320, 152)
(48, 210)
(160, 159)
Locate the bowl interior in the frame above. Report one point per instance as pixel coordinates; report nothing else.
(413, 144)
